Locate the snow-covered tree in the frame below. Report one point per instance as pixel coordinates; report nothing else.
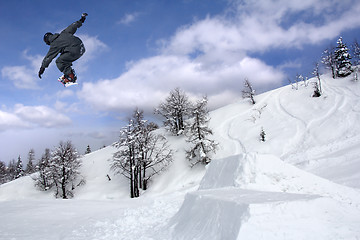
(3, 173)
(356, 52)
(175, 110)
(198, 135)
(317, 85)
(30, 168)
(152, 149)
(19, 171)
(248, 91)
(262, 135)
(142, 153)
(44, 181)
(64, 166)
(11, 170)
(329, 61)
(88, 149)
(342, 57)
(124, 161)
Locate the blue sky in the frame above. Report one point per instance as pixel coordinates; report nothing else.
(137, 51)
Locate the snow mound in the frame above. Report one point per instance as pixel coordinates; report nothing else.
(258, 193)
(246, 214)
(265, 172)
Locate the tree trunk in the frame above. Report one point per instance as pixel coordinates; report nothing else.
(131, 173)
(63, 182)
(136, 181)
(144, 177)
(144, 184)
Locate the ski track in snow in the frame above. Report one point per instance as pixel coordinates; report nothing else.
(225, 132)
(301, 126)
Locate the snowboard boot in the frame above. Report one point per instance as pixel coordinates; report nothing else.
(71, 77)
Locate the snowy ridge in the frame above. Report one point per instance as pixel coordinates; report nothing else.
(301, 183)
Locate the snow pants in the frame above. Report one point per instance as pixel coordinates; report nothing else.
(65, 60)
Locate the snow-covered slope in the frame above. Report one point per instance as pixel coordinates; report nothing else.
(301, 183)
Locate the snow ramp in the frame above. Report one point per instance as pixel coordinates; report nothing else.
(252, 196)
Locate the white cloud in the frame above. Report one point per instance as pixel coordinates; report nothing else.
(128, 18)
(21, 76)
(42, 116)
(9, 120)
(93, 47)
(31, 117)
(24, 77)
(149, 81)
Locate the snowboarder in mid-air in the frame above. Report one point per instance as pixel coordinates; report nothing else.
(70, 48)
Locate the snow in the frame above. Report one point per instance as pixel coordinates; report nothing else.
(303, 182)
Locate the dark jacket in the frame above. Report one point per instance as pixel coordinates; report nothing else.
(65, 42)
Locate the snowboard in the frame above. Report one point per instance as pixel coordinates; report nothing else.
(66, 84)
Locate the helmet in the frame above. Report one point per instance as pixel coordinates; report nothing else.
(46, 37)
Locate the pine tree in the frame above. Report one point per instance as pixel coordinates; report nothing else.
(262, 135)
(198, 135)
(64, 167)
(3, 173)
(248, 91)
(88, 149)
(175, 110)
(30, 168)
(356, 52)
(19, 171)
(342, 57)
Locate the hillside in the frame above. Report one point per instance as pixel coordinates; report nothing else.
(301, 183)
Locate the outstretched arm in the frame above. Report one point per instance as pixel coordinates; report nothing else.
(74, 26)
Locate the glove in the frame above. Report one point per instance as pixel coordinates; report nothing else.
(83, 17)
(41, 71)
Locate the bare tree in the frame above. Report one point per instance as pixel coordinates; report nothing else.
(44, 180)
(248, 91)
(142, 153)
(317, 85)
(175, 110)
(328, 60)
(64, 165)
(124, 161)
